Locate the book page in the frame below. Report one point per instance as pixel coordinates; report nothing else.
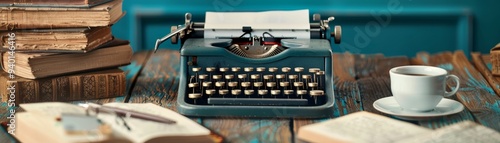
(294, 23)
(463, 132)
(144, 130)
(362, 127)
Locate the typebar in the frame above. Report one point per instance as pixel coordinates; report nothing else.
(257, 101)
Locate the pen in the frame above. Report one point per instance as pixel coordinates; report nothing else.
(130, 113)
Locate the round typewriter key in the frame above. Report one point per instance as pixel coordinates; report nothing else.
(220, 83)
(232, 84)
(273, 69)
(285, 69)
(298, 84)
(223, 91)
(301, 92)
(248, 69)
(242, 76)
(235, 69)
(255, 76)
(284, 84)
(316, 92)
(258, 84)
(280, 76)
(203, 76)
(235, 92)
(299, 69)
(320, 73)
(194, 95)
(249, 92)
(210, 91)
(191, 85)
(314, 70)
(312, 84)
(271, 84)
(292, 76)
(207, 84)
(210, 69)
(229, 76)
(223, 69)
(261, 69)
(217, 77)
(196, 69)
(267, 77)
(288, 92)
(263, 92)
(245, 84)
(275, 92)
(306, 76)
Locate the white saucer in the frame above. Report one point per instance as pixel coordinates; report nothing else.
(390, 106)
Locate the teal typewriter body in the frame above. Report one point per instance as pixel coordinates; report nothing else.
(255, 76)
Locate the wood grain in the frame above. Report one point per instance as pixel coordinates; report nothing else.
(475, 93)
(481, 66)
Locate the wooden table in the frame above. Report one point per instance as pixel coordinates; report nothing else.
(359, 81)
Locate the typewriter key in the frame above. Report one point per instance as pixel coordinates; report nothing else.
(261, 69)
(216, 77)
(223, 91)
(248, 69)
(298, 84)
(280, 76)
(207, 84)
(288, 92)
(235, 69)
(236, 92)
(223, 69)
(220, 84)
(313, 70)
(229, 76)
(275, 92)
(273, 69)
(192, 85)
(249, 92)
(284, 84)
(202, 76)
(271, 84)
(292, 76)
(232, 84)
(268, 77)
(210, 69)
(285, 69)
(245, 84)
(255, 76)
(194, 96)
(301, 92)
(242, 76)
(299, 69)
(210, 91)
(258, 84)
(312, 84)
(196, 69)
(262, 92)
(316, 92)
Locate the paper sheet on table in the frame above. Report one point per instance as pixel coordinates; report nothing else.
(229, 24)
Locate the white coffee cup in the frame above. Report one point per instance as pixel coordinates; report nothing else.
(420, 88)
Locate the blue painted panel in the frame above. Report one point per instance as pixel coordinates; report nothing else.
(423, 25)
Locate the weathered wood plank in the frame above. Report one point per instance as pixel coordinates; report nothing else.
(251, 130)
(346, 93)
(364, 65)
(475, 93)
(483, 69)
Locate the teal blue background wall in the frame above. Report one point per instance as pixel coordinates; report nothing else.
(391, 27)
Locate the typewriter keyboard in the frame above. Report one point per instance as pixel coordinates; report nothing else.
(258, 86)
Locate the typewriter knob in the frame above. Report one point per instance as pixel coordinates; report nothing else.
(336, 34)
(176, 36)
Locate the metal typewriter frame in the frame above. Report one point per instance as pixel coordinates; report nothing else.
(186, 31)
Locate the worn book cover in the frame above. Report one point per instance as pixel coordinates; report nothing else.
(76, 40)
(15, 17)
(495, 60)
(85, 86)
(42, 65)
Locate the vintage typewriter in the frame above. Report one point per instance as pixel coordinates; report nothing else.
(265, 64)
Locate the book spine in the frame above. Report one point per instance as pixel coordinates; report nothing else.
(70, 88)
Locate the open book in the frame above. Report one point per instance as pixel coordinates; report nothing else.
(365, 127)
(38, 124)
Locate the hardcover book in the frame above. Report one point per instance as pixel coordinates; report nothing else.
(14, 17)
(54, 3)
(42, 65)
(85, 86)
(57, 40)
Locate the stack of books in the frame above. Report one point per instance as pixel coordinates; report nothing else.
(61, 50)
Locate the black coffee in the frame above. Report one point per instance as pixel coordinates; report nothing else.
(416, 74)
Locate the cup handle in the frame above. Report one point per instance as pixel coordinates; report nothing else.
(457, 80)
